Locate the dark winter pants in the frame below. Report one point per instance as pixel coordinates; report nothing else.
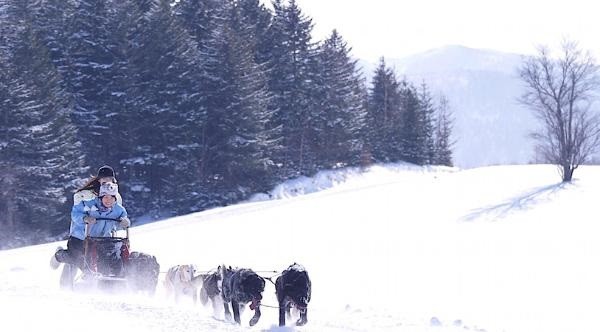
(73, 254)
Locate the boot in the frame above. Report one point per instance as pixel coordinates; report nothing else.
(54, 261)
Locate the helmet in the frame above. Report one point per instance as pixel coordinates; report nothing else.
(108, 188)
(105, 172)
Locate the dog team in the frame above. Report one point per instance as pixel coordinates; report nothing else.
(238, 287)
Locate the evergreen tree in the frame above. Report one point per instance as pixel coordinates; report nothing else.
(165, 113)
(86, 44)
(427, 113)
(239, 144)
(291, 55)
(201, 20)
(383, 118)
(259, 18)
(121, 92)
(443, 131)
(52, 19)
(197, 17)
(8, 198)
(88, 78)
(339, 111)
(412, 134)
(38, 152)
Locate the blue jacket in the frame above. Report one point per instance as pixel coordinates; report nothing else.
(94, 208)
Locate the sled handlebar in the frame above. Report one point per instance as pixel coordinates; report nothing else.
(87, 226)
(113, 219)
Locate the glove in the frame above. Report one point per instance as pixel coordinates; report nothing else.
(89, 220)
(124, 223)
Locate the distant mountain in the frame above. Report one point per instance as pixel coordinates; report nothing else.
(482, 86)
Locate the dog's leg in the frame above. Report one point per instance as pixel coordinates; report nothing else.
(288, 310)
(303, 317)
(215, 306)
(227, 312)
(236, 311)
(197, 286)
(168, 288)
(282, 313)
(256, 316)
(195, 295)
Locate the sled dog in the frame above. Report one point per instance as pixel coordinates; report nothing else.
(181, 281)
(142, 272)
(293, 290)
(240, 287)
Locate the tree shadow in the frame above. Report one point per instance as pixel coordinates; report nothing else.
(522, 202)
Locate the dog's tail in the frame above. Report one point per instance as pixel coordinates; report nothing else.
(203, 296)
(168, 278)
(198, 282)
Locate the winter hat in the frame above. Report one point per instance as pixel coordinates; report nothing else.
(108, 188)
(105, 172)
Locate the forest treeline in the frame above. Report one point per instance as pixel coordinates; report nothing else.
(195, 104)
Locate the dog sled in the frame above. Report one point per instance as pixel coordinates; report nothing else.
(108, 265)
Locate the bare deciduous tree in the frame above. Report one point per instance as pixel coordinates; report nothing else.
(561, 92)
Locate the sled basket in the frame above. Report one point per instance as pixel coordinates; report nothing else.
(106, 256)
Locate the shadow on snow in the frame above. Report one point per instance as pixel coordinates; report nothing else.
(522, 202)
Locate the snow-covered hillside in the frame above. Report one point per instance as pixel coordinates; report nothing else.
(482, 86)
(396, 248)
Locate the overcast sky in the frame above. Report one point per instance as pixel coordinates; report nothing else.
(396, 28)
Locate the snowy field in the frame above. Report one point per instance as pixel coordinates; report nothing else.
(396, 248)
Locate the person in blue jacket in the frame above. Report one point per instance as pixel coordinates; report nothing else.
(101, 215)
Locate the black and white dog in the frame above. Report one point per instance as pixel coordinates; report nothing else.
(293, 289)
(239, 287)
(142, 272)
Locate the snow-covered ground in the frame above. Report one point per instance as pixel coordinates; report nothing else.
(395, 248)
